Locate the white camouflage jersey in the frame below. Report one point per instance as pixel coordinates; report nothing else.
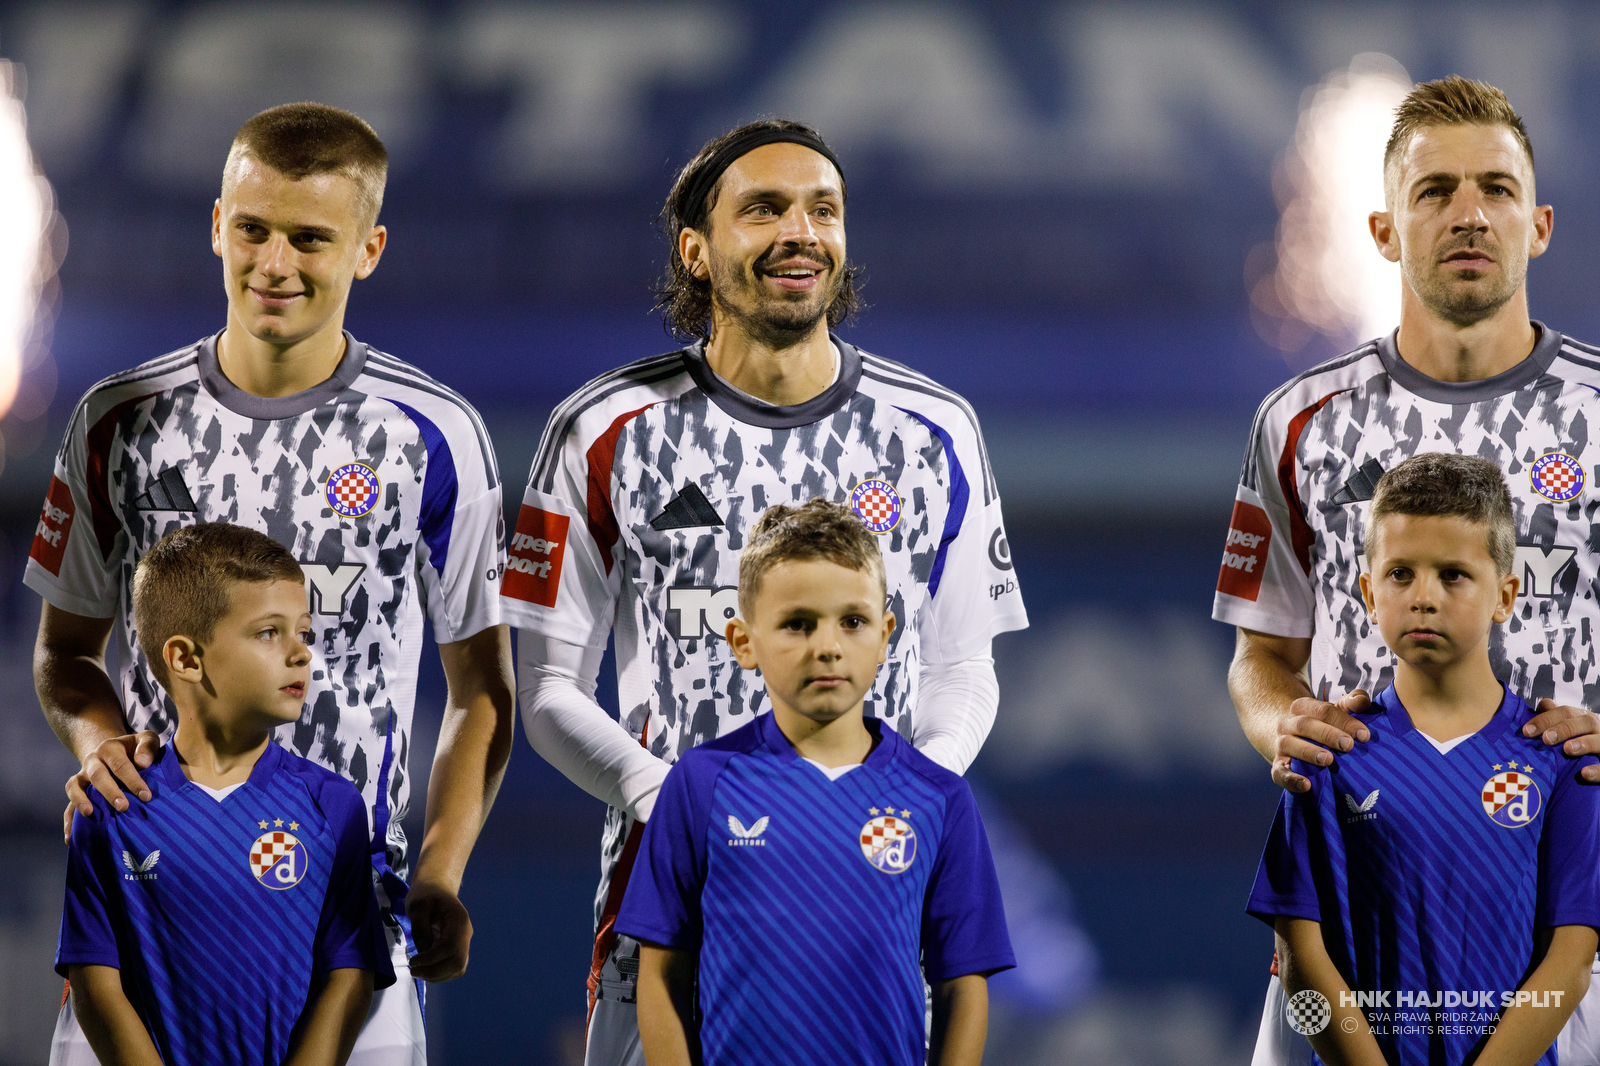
(1319, 445)
(646, 485)
(380, 481)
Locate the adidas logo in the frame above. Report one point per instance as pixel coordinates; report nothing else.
(688, 509)
(166, 493)
(1361, 485)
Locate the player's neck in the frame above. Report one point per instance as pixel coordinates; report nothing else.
(216, 753)
(1447, 352)
(844, 741)
(264, 369)
(1453, 700)
(785, 376)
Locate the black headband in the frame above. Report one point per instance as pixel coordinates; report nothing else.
(694, 194)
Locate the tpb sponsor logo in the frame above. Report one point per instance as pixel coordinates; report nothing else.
(1245, 557)
(703, 611)
(533, 566)
(1001, 588)
(55, 522)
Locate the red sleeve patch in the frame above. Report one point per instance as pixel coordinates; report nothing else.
(533, 566)
(1245, 558)
(50, 539)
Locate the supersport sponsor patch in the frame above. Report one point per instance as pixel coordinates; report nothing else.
(1556, 476)
(1244, 559)
(533, 565)
(55, 522)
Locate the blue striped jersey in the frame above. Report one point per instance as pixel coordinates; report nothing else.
(811, 902)
(1431, 871)
(381, 482)
(221, 915)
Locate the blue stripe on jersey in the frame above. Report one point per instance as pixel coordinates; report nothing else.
(958, 499)
(1419, 888)
(437, 513)
(809, 949)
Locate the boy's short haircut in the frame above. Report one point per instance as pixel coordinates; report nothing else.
(815, 530)
(184, 584)
(299, 140)
(1463, 486)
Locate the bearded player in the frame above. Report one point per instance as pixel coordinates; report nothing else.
(1467, 371)
(649, 478)
(380, 481)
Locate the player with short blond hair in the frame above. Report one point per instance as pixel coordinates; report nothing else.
(1466, 371)
(379, 481)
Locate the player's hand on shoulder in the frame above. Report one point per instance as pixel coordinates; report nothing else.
(1575, 729)
(110, 768)
(442, 930)
(1314, 729)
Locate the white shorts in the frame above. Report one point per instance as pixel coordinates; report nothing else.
(392, 1035)
(1279, 1045)
(614, 1035)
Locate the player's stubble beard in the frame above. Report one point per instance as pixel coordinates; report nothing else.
(774, 322)
(1464, 305)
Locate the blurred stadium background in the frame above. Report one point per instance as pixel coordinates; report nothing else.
(1113, 227)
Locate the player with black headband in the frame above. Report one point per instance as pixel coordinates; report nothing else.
(649, 478)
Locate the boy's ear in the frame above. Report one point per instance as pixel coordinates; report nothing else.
(1366, 595)
(182, 658)
(738, 637)
(888, 631)
(1509, 586)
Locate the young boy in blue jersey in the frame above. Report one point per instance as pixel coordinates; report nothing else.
(231, 917)
(1436, 894)
(799, 875)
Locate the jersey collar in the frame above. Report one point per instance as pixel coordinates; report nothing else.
(771, 416)
(878, 758)
(1452, 392)
(268, 408)
(1505, 717)
(168, 771)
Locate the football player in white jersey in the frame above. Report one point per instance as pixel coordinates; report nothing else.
(1466, 371)
(648, 479)
(381, 481)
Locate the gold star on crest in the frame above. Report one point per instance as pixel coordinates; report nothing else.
(1497, 766)
(1528, 768)
(872, 810)
(277, 823)
(905, 814)
(294, 825)
(263, 825)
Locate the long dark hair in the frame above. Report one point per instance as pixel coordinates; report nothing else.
(685, 300)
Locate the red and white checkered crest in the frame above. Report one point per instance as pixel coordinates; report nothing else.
(277, 860)
(889, 843)
(353, 490)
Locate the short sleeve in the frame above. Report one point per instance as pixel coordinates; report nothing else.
(973, 592)
(662, 904)
(70, 563)
(1284, 882)
(460, 525)
(88, 937)
(1569, 852)
(963, 917)
(563, 568)
(350, 932)
(1264, 582)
